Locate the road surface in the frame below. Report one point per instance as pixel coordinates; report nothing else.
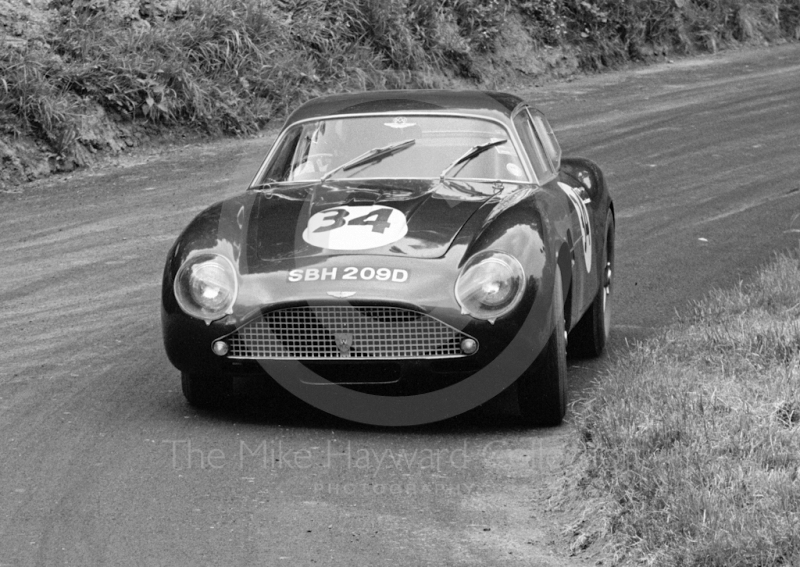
(103, 463)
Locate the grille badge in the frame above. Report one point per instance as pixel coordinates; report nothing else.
(343, 342)
(341, 294)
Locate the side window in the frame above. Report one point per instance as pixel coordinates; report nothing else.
(533, 147)
(281, 168)
(547, 137)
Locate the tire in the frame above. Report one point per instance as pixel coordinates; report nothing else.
(204, 391)
(590, 335)
(542, 389)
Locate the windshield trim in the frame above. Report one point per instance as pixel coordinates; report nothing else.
(510, 131)
(278, 184)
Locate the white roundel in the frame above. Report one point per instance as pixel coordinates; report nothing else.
(355, 228)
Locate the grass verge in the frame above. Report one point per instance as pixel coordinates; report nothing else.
(689, 449)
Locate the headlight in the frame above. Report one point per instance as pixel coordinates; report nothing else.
(490, 285)
(206, 287)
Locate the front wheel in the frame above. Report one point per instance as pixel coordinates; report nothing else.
(205, 391)
(542, 388)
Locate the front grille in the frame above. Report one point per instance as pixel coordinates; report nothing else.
(335, 332)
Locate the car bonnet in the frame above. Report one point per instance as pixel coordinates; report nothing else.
(415, 218)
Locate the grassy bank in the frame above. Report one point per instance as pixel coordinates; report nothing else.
(103, 75)
(690, 447)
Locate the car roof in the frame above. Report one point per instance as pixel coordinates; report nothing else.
(493, 104)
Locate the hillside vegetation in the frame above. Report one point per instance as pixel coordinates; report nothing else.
(99, 76)
(689, 449)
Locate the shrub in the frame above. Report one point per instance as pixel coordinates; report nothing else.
(231, 66)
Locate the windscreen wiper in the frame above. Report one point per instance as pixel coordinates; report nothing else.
(471, 153)
(373, 155)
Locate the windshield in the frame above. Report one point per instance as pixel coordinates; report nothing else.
(390, 146)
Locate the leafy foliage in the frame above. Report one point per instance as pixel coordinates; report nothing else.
(231, 66)
(608, 31)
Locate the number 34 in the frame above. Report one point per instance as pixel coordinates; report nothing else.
(378, 220)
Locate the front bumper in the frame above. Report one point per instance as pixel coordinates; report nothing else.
(388, 343)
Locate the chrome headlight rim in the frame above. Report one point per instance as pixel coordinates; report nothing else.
(182, 287)
(486, 260)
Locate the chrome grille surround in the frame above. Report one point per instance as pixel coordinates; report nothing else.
(335, 332)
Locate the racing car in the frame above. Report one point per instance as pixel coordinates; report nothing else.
(399, 257)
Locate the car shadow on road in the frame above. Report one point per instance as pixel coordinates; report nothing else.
(258, 400)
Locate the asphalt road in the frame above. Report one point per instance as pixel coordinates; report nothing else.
(103, 463)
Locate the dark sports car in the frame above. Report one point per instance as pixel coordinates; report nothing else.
(399, 258)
